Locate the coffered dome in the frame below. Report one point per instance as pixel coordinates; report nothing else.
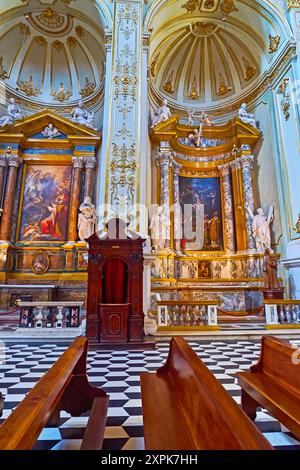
(207, 54)
(51, 53)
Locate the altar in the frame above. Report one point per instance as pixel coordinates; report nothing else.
(221, 261)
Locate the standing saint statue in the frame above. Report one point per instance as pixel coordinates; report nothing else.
(13, 114)
(261, 228)
(160, 229)
(270, 271)
(162, 114)
(87, 219)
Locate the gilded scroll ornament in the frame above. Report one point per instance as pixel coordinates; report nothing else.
(3, 72)
(62, 94)
(28, 87)
(297, 226)
(169, 84)
(250, 70)
(274, 43)
(88, 88)
(223, 88)
(194, 93)
(286, 99)
(153, 64)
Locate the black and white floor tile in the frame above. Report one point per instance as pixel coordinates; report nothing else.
(118, 373)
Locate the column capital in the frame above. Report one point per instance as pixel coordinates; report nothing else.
(3, 160)
(14, 160)
(78, 162)
(236, 164)
(224, 170)
(176, 168)
(247, 161)
(164, 156)
(90, 162)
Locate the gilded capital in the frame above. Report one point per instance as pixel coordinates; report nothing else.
(3, 160)
(78, 162)
(90, 163)
(14, 161)
(247, 161)
(224, 170)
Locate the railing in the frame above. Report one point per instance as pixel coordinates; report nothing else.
(183, 314)
(50, 314)
(282, 313)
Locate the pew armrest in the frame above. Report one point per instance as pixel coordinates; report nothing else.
(94, 433)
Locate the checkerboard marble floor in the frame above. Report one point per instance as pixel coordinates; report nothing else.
(21, 365)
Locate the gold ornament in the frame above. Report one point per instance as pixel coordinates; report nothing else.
(61, 94)
(3, 72)
(223, 87)
(169, 84)
(194, 91)
(88, 88)
(28, 87)
(274, 43)
(297, 226)
(250, 70)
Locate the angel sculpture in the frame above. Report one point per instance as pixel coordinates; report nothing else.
(261, 228)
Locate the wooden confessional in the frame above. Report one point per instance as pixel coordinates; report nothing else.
(115, 287)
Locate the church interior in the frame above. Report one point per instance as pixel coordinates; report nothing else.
(149, 225)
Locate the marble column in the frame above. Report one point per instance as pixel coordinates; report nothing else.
(228, 208)
(9, 199)
(78, 163)
(177, 208)
(3, 164)
(90, 165)
(247, 167)
(164, 161)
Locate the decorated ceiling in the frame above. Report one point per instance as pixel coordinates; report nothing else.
(52, 52)
(209, 53)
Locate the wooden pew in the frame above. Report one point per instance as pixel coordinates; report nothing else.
(64, 387)
(274, 383)
(186, 408)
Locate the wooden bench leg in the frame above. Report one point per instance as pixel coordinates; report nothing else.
(249, 405)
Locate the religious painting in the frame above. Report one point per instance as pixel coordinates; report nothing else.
(40, 264)
(200, 200)
(46, 203)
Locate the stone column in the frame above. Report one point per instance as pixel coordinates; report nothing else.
(90, 165)
(177, 208)
(13, 163)
(78, 163)
(3, 164)
(247, 167)
(228, 208)
(164, 161)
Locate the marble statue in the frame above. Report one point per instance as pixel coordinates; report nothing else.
(13, 114)
(270, 267)
(261, 228)
(50, 132)
(245, 116)
(191, 114)
(160, 229)
(87, 219)
(162, 114)
(83, 116)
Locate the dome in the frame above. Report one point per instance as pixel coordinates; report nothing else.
(207, 54)
(52, 53)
